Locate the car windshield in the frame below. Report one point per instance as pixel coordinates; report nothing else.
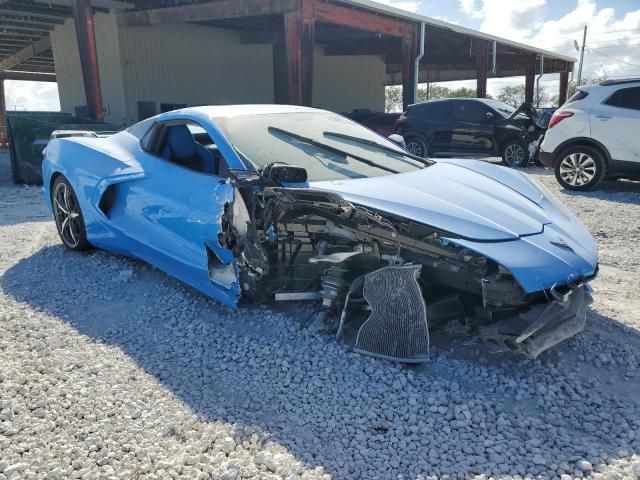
(329, 146)
(502, 108)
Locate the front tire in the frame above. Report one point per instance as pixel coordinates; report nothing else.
(515, 154)
(68, 216)
(416, 146)
(580, 168)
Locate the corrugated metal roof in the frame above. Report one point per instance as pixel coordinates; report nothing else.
(397, 12)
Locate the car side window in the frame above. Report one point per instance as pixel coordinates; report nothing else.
(439, 110)
(625, 98)
(188, 145)
(472, 112)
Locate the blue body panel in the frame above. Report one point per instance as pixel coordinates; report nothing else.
(492, 210)
(170, 216)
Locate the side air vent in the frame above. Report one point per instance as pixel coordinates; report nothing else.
(108, 199)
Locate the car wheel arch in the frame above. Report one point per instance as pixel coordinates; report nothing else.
(504, 140)
(416, 134)
(54, 175)
(582, 142)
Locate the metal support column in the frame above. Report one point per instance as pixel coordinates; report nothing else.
(482, 67)
(530, 81)
(299, 33)
(409, 68)
(86, 39)
(3, 116)
(564, 84)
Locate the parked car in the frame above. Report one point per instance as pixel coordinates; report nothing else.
(203, 194)
(379, 122)
(595, 135)
(470, 126)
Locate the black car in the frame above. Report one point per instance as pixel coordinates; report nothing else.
(470, 126)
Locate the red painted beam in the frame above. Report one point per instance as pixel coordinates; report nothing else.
(299, 32)
(361, 20)
(86, 39)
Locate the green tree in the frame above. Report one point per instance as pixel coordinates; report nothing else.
(393, 101)
(515, 95)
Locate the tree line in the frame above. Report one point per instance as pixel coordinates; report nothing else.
(513, 95)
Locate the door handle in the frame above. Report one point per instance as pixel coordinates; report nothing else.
(603, 117)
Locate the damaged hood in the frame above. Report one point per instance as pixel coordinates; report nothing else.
(471, 199)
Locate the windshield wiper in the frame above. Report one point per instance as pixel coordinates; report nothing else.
(364, 141)
(329, 148)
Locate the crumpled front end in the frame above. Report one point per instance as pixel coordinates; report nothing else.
(383, 282)
(543, 326)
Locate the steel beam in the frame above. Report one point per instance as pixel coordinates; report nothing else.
(18, 19)
(299, 38)
(29, 13)
(530, 79)
(362, 20)
(410, 51)
(26, 54)
(28, 76)
(9, 27)
(86, 39)
(202, 12)
(482, 67)
(564, 84)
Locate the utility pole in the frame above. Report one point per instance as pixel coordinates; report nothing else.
(584, 42)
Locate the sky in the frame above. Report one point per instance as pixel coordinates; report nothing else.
(613, 39)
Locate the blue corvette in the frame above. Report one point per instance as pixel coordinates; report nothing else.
(262, 203)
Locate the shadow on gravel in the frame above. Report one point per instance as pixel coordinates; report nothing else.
(621, 191)
(464, 413)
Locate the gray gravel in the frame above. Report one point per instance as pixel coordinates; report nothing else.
(110, 369)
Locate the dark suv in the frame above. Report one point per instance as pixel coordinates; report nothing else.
(466, 126)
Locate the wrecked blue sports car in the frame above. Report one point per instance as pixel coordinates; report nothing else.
(264, 203)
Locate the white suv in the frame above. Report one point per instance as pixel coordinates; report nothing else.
(595, 135)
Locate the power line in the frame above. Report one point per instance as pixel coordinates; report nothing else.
(608, 32)
(600, 47)
(613, 58)
(570, 42)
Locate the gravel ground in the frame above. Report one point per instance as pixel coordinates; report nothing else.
(110, 369)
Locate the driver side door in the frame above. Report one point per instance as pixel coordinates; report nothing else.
(174, 215)
(474, 129)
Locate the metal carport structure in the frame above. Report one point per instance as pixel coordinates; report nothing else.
(293, 27)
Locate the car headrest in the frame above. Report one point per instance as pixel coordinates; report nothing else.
(181, 141)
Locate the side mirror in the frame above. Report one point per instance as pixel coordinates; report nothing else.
(489, 116)
(398, 140)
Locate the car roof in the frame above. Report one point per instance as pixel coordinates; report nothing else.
(621, 81)
(230, 111)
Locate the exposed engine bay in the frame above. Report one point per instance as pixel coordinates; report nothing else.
(391, 279)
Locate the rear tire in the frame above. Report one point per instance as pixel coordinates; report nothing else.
(515, 154)
(416, 146)
(68, 216)
(580, 168)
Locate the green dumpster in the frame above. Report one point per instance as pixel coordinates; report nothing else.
(28, 134)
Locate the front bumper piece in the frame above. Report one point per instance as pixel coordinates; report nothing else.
(543, 326)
